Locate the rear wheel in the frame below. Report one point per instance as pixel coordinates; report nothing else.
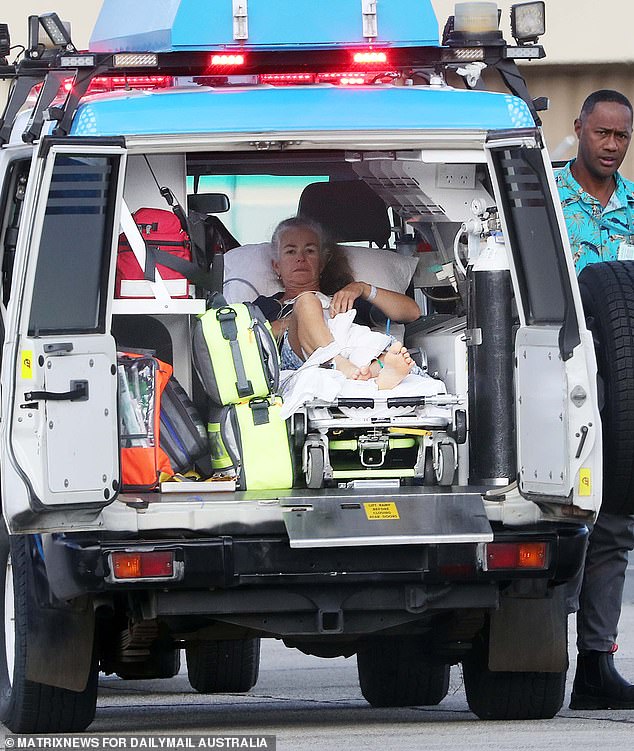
(607, 291)
(510, 696)
(398, 673)
(26, 706)
(223, 666)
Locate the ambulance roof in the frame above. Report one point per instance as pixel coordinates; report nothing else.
(287, 109)
(182, 25)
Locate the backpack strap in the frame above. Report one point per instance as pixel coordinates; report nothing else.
(189, 270)
(226, 317)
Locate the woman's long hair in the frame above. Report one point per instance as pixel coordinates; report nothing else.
(336, 272)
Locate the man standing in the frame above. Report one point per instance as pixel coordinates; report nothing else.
(598, 205)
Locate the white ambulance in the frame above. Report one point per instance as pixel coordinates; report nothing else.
(458, 550)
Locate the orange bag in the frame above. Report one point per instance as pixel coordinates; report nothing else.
(141, 380)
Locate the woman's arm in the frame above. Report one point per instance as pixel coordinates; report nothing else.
(400, 308)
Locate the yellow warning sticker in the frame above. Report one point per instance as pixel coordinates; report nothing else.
(585, 481)
(385, 510)
(27, 364)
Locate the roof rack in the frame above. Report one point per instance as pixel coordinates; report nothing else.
(52, 68)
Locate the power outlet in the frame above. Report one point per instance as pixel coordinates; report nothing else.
(457, 176)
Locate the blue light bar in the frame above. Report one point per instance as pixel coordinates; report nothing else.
(202, 25)
(298, 108)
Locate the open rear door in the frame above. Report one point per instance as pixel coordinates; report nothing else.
(558, 429)
(59, 433)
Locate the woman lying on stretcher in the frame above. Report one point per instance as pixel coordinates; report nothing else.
(299, 313)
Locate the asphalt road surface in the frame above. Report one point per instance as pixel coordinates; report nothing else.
(309, 703)
(312, 703)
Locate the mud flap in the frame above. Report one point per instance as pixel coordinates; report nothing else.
(60, 639)
(530, 635)
(402, 519)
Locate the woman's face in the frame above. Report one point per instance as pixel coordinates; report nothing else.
(299, 261)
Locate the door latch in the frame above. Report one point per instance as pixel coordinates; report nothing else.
(78, 393)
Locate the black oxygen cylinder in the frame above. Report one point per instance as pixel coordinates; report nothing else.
(492, 455)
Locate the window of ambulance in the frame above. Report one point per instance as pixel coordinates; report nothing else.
(258, 202)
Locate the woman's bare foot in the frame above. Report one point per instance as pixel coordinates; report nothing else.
(397, 363)
(350, 370)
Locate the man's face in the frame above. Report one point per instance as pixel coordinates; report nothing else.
(604, 136)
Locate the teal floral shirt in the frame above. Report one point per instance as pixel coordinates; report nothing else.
(596, 233)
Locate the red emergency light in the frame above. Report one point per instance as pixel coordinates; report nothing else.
(101, 84)
(114, 83)
(370, 57)
(280, 79)
(345, 78)
(224, 60)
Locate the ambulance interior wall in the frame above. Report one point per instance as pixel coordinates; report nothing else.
(140, 189)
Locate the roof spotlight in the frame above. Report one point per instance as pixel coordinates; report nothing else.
(5, 40)
(56, 31)
(528, 22)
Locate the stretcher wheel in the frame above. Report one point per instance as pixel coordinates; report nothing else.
(460, 426)
(315, 467)
(446, 464)
(429, 476)
(299, 430)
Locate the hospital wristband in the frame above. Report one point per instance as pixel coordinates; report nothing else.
(372, 293)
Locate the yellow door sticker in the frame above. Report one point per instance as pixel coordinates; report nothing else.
(585, 481)
(384, 510)
(27, 364)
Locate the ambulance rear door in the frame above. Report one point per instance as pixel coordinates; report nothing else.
(59, 433)
(557, 418)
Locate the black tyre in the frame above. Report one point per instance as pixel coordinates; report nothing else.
(510, 696)
(223, 666)
(398, 673)
(299, 431)
(315, 467)
(26, 706)
(607, 291)
(429, 477)
(162, 663)
(446, 465)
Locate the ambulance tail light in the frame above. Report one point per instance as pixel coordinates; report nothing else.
(136, 565)
(513, 556)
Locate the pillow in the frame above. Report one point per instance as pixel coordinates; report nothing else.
(383, 268)
(248, 271)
